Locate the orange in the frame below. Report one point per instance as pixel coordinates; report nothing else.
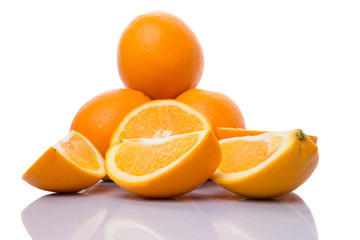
(159, 55)
(71, 165)
(223, 133)
(164, 167)
(267, 165)
(217, 107)
(159, 119)
(98, 118)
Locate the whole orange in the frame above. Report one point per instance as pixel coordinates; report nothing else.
(159, 55)
(98, 118)
(217, 107)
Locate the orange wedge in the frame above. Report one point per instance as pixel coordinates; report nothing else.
(71, 165)
(159, 119)
(266, 165)
(164, 167)
(223, 133)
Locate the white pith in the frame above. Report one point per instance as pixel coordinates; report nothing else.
(163, 134)
(154, 141)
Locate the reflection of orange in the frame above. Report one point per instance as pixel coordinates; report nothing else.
(100, 116)
(160, 220)
(80, 217)
(251, 219)
(127, 229)
(217, 107)
(159, 55)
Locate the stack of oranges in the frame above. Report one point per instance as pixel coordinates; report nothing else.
(159, 137)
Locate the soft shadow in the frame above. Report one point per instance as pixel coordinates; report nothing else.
(210, 191)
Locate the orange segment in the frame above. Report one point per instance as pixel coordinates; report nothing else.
(79, 150)
(70, 165)
(252, 153)
(152, 155)
(223, 133)
(158, 119)
(267, 165)
(139, 126)
(164, 167)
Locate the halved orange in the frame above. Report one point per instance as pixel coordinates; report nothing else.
(266, 165)
(71, 165)
(164, 167)
(159, 119)
(224, 132)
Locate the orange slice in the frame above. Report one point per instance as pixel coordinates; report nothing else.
(70, 165)
(223, 133)
(159, 119)
(266, 165)
(164, 167)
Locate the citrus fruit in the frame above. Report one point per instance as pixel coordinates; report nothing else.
(266, 165)
(98, 118)
(217, 107)
(159, 55)
(159, 119)
(223, 133)
(164, 167)
(70, 165)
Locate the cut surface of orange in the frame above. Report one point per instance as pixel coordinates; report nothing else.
(70, 165)
(164, 167)
(224, 132)
(159, 119)
(98, 118)
(267, 165)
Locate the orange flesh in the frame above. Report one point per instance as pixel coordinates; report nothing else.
(158, 122)
(223, 133)
(242, 155)
(137, 158)
(79, 152)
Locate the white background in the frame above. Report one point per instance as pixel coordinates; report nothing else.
(288, 64)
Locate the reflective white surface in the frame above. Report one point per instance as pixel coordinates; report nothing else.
(287, 64)
(106, 211)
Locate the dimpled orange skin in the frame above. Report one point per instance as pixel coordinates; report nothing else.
(159, 55)
(98, 118)
(217, 107)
